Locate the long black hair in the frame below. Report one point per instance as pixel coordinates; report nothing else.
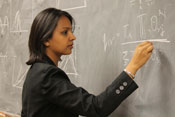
(41, 31)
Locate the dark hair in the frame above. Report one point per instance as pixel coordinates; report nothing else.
(41, 31)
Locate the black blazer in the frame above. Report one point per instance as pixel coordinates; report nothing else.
(48, 92)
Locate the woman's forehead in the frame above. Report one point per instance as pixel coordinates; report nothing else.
(64, 22)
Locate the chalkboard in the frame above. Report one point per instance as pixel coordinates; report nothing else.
(107, 33)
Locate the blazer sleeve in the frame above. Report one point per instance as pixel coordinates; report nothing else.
(58, 89)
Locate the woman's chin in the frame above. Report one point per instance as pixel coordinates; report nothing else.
(68, 53)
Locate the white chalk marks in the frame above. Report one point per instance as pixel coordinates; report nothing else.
(15, 73)
(109, 41)
(141, 3)
(16, 26)
(150, 27)
(68, 65)
(20, 77)
(4, 23)
(81, 4)
(151, 40)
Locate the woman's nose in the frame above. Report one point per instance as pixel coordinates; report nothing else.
(72, 37)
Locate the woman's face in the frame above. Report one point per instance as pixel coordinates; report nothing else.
(62, 39)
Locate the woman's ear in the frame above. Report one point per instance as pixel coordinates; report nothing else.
(47, 44)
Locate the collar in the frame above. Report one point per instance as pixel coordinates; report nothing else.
(48, 60)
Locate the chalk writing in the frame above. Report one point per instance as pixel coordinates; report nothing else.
(155, 56)
(154, 23)
(132, 2)
(127, 34)
(71, 8)
(125, 59)
(149, 2)
(18, 81)
(16, 27)
(68, 65)
(3, 24)
(142, 28)
(162, 12)
(156, 26)
(3, 55)
(151, 40)
(109, 41)
(127, 55)
(142, 3)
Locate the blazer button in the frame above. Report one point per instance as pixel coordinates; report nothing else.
(121, 87)
(118, 91)
(125, 84)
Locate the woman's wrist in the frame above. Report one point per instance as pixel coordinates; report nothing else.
(131, 70)
(129, 73)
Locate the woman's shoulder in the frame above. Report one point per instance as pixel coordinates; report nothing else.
(46, 68)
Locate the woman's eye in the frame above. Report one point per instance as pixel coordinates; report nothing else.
(64, 32)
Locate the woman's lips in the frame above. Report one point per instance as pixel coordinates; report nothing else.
(71, 45)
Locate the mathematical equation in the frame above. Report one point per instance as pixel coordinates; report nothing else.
(147, 27)
(127, 54)
(141, 3)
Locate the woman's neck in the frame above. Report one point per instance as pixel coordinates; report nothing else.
(54, 58)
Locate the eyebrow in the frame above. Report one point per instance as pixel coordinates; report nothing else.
(67, 27)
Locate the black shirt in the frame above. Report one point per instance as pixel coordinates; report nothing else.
(48, 92)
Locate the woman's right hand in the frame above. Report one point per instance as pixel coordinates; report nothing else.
(141, 55)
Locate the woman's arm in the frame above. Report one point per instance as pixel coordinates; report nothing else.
(60, 91)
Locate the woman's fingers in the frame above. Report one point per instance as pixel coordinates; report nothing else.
(150, 49)
(144, 43)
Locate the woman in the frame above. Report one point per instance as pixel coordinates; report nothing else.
(47, 90)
